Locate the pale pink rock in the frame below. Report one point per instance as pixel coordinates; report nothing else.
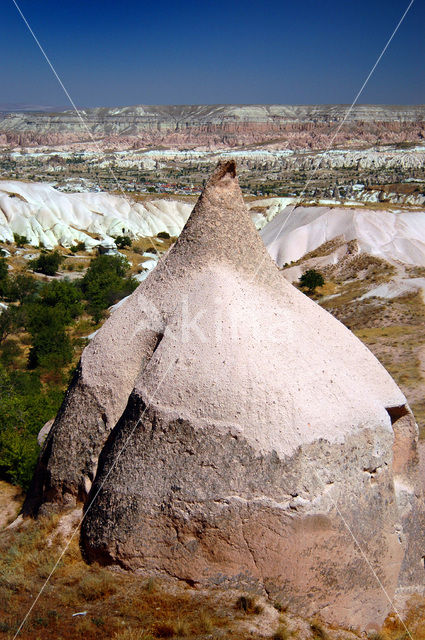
(239, 434)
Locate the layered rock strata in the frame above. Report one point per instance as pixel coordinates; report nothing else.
(213, 126)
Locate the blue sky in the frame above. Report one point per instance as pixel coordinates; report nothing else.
(134, 52)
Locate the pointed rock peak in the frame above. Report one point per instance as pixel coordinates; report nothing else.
(224, 170)
(223, 185)
(220, 227)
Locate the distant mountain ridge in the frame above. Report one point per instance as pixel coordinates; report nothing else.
(214, 126)
(11, 107)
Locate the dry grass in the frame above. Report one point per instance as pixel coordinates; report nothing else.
(118, 605)
(139, 246)
(95, 585)
(11, 499)
(282, 632)
(398, 347)
(133, 634)
(125, 606)
(318, 630)
(249, 604)
(360, 267)
(415, 272)
(414, 622)
(323, 250)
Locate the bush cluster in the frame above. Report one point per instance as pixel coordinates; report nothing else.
(48, 262)
(41, 315)
(24, 407)
(105, 283)
(122, 242)
(80, 246)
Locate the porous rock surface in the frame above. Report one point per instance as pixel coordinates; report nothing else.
(239, 435)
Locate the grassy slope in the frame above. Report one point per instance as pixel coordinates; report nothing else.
(135, 607)
(393, 329)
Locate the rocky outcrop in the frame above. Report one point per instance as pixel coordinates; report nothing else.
(213, 126)
(238, 434)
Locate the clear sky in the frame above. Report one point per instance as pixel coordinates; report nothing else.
(209, 52)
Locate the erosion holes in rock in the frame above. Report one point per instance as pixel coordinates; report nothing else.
(158, 339)
(405, 454)
(396, 413)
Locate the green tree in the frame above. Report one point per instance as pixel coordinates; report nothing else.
(311, 279)
(24, 408)
(20, 240)
(4, 270)
(10, 321)
(122, 242)
(21, 287)
(80, 246)
(4, 276)
(51, 346)
(64, 296)
(47, 262)
(105, 283)
(10, 351)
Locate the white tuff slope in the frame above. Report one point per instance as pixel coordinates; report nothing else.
(48, 217)
(385, 234)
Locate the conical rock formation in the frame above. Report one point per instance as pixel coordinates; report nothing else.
(238, 434)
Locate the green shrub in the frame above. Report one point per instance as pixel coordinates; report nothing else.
(24, 408)
(10, 320)
(46, 321)
(51, 347)
(10, 352)
(21, 287)
(64, 296)
(311, 279)
(47, 263)
(80, 246)
(20, 240)
(4, 270)
(122, 242)
(105, 283)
